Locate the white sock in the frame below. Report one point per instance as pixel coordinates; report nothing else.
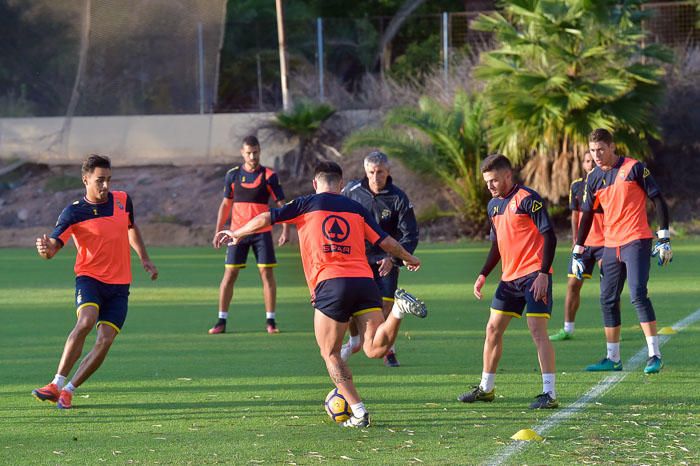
(396, 312)
(358, 410)
(270, 315)
(548, 385)
(70, 387)
(569, 327)
(223, 314)
(653, 346)
(59, 380)
(392, 349)
(614, 351)
(487, 381)
(355, 341)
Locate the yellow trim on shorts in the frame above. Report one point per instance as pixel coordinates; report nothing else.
(366, 311)
(263, 266)
(235, 266)
(507, 313)
(389, 300)
(585, 275)
(109, 324)
(542, 314)
(80, 308)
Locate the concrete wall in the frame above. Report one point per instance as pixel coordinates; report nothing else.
(150, 139)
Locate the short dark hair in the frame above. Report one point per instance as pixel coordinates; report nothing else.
(329, 172)
(251, 141)
(95, 161)
(601, 135)
(495, 162)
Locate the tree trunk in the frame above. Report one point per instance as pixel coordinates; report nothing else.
(551, 176)
(393, 28)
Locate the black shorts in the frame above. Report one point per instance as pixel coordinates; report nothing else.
(591, 255)
(111, 301)
(341, 298)
(513, 296)
(387, 285)
(237, 256)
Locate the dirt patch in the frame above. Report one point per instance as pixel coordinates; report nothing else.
(174, 205)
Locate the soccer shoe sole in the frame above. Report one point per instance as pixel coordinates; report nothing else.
(409, 304)
(41, 397)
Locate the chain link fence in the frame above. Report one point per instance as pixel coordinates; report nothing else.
(130, 57)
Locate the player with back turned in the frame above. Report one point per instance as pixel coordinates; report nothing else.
(332, 232)
(621, 185)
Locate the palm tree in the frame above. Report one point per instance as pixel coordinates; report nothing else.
(561, 69)
(305, 121)
(446, 142)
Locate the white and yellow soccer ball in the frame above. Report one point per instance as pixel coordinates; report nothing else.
(337, 406)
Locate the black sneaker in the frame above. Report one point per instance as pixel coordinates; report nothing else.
(477, 394)
(390, 360)
(409, 304)
(357, 422)
(544, 401)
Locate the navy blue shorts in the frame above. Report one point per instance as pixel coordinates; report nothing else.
(387, 285)
(591, 255)
(512, 297)
(237, 256)
(112, 301)
(341, 298)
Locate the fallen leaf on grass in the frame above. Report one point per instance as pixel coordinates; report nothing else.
(184, 379)
(346, 458)
(416, 460)
(84, 396)
(59, 452)
(116, 452)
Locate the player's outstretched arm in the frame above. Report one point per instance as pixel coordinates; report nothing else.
(232, 237)
(222, 217)
(136, 242)
(47, 247)
(393, 247)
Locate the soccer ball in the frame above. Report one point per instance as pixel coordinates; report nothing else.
(337, 406)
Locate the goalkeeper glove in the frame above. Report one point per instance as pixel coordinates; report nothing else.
(577, 265)
(662, 248)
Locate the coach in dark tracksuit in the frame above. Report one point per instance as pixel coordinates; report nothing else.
(393, 212)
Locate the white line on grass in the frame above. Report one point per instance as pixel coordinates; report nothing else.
(598, 390)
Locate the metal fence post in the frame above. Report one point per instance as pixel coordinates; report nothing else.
(445, 47)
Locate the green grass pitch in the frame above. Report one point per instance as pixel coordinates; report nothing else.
(169, 393)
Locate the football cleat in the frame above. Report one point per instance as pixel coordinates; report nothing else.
(348, 350)
(477, 394)
(561, 335)
(654, 365)
(65, 400)
(544, 401)
(48, 392)
(216, 329)
(390, 360)
(408, 304)
(605, 364)
(271, 329)
(357, 422)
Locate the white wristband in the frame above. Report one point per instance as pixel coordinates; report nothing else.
(579, 249)
(662, 234)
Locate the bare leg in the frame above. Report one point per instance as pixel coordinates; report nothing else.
(94, 359)
(87, 317)
(269, 288)
(612, 334)
(226, 287)
(329, 336)
(545, 350)
(649, 328)
(573, 299)
(493, 344)
(379, 335)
